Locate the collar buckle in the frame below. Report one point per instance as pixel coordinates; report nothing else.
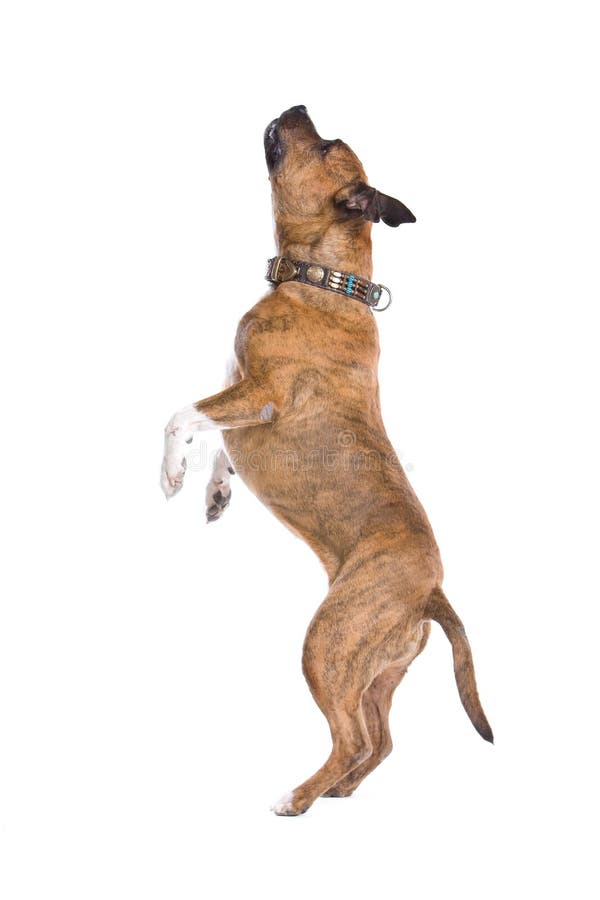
(283, 269)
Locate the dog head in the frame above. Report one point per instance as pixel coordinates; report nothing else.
(319, 183)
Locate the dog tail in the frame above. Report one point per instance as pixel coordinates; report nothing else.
(438, 608)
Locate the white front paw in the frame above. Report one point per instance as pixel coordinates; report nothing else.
(173, 465)
(178, 433)
(171, 476)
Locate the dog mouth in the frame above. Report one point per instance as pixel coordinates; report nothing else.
(273, 145)
(295, 117)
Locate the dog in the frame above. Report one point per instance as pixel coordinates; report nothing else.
(302, 427)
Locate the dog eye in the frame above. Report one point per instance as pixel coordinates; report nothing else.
(326, 146)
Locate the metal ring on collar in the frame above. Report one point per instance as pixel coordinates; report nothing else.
(388, 304)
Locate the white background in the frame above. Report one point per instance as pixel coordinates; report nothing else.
(152, 701)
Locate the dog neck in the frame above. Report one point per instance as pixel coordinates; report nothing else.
(343, 246)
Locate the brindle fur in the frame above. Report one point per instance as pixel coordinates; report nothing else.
(303, 429)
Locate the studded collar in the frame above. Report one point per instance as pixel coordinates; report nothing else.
(280, 269)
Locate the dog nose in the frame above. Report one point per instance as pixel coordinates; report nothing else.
(294, 116)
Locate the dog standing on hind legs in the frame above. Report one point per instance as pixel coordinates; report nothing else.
(302, 427)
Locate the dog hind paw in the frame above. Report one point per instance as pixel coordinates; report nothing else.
(286, 806)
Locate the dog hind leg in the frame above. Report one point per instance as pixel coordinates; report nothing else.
(351, 745)
(376, 703)
(337, 673)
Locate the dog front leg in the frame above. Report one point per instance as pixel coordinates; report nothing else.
(218, 491)
(238, 406)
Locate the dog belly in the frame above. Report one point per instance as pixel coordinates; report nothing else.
(332, 485)
(310, 470)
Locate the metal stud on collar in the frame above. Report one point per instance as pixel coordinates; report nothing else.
(378, 308)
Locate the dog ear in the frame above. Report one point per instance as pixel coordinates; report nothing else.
(360, 199)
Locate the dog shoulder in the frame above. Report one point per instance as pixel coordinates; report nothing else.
(269, 318)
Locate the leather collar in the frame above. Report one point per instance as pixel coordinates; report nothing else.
(280, 269)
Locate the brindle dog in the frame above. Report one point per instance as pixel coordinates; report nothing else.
(302, 425)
